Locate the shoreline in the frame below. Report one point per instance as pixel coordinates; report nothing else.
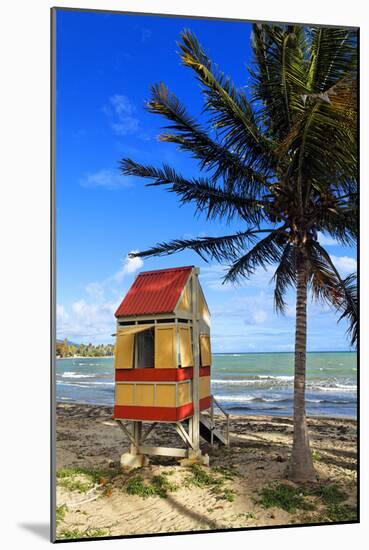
(243, 416)
(85, 357)
(232, 353)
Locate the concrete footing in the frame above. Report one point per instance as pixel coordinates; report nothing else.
(195, 458)
(130, 461)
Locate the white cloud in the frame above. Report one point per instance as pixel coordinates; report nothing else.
(130, 265)
(92, 319)
(88, 322)
(95, 290)
(259, 316)
(344, 264)
(120, 111)
(92, 311)
(213, 275)
(326, 240)
(61, 314)
(107, 179)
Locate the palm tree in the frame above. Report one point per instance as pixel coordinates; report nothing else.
(281, 162)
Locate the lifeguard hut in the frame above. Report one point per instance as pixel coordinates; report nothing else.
(163, 364)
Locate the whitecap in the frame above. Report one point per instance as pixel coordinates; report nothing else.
(76, 375)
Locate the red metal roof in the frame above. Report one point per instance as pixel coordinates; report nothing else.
(154, 292)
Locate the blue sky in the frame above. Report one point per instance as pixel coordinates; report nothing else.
(106, 64)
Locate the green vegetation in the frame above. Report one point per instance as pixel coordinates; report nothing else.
(199, 477)
(309, 497)
(247, 515)
(84, 479)
(137, 486)
(159, 486)
(66, 349)
(286, 497)
(60, 513)
(226, 494)
(228, 472)
(69, 534)
(315, 455)
(76, 484)
(341, 512)
(331, 495)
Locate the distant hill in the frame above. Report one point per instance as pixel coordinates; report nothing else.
(58, 341)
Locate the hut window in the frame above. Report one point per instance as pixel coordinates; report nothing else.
(144, 349)
(186, 358)
(205, 350)
(124, 351)
(165, 347)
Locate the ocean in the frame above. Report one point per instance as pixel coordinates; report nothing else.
(243, 383)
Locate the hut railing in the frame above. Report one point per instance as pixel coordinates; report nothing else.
(216, 403)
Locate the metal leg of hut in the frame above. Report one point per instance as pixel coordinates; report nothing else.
(133, 459)
(137, 455)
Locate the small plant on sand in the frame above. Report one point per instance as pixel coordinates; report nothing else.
(204, 479)
(83, 479)
(331, 495)
(137, 486)
(60, 513)
(227, 494)
(79, 484)
(341, 512)
(163, 486)
(316, 455)
(247, 515)
(159, 486)
(71, 534)
(228, 472)
(292, 499)
(286, 497)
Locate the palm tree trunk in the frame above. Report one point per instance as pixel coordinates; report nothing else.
(301, 465)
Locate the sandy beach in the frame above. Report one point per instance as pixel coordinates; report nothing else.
(95, 498)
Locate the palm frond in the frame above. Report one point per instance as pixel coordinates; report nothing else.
(348, 312)
(341, 285)
(278, 76)
(206, 195)
(341, 223)
(192, 137)
(266, 251)
(215, 248)
(284, 277)
(332, 124)
(332, 55)
(328, 285)
(322, 278)
(231, 113)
